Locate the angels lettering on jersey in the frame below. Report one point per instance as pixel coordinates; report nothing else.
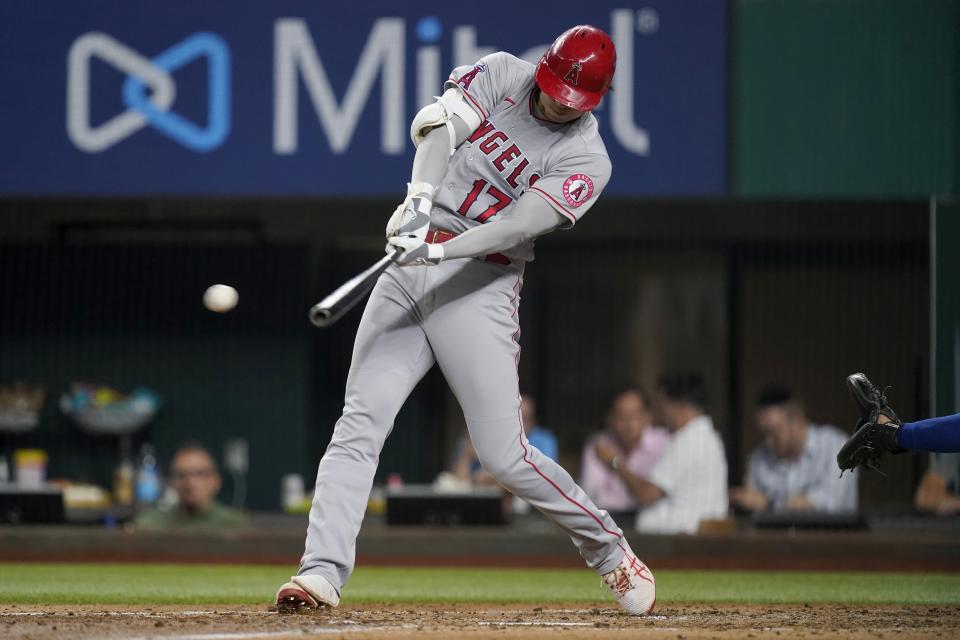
(492, 139)
(508, 158)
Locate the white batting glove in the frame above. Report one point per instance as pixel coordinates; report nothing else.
(416, 252)
(412, 217)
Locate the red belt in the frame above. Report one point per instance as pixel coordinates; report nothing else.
(438, 236)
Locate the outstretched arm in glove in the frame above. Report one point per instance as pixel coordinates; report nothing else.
(879, 431)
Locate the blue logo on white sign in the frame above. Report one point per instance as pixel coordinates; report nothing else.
(154, 108)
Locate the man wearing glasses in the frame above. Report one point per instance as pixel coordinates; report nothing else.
(195, 478)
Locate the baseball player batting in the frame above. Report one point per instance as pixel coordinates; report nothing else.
(509, 152)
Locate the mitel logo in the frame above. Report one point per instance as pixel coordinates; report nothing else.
(298, 63)
(143, 108)
(149, 91)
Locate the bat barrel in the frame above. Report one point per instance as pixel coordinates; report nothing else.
(334, 306)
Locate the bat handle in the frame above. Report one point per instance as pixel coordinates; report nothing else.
(324, 313)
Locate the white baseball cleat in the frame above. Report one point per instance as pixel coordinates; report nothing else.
(306, 592)
(632, 584)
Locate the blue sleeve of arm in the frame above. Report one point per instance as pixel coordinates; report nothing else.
(941, 434)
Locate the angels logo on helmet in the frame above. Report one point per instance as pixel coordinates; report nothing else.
(573, 76)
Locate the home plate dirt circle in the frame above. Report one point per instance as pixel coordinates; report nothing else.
(678, 622)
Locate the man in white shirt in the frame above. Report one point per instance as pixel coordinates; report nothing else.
(794, 469)
(689, 483)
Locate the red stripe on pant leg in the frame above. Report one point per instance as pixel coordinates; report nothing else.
(526, 452)
(555, 486)
(516, 335)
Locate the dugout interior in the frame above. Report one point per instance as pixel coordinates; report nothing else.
(747, 292)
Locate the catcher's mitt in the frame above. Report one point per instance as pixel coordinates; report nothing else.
(876, 430)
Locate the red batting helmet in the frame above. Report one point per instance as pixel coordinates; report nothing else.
(577, 68)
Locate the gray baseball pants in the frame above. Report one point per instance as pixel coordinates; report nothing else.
(463, 315)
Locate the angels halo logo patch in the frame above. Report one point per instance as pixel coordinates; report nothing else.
(577, 189)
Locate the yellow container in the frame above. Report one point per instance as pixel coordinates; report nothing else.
(30, 466)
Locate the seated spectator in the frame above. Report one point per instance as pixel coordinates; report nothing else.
(628, 445)
(939, 491)
(196, 480)
(538, 435)
(466, 466)
(689, 483)
(795, 469)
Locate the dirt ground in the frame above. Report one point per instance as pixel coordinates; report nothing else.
(678, 622)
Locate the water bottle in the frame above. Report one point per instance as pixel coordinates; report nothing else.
(148, 477)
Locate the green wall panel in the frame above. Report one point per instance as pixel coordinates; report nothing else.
(848, 98)
(946, 222)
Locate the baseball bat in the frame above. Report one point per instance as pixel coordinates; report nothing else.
(347, 295)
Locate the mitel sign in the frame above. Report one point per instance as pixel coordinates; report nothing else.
(277, 103)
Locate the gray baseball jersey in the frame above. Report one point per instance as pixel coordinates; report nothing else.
(513, 151)
(462, 315)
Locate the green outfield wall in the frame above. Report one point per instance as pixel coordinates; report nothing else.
(946, 282)
(857, 98)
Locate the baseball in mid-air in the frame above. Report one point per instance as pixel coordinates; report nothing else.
(220, 298)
